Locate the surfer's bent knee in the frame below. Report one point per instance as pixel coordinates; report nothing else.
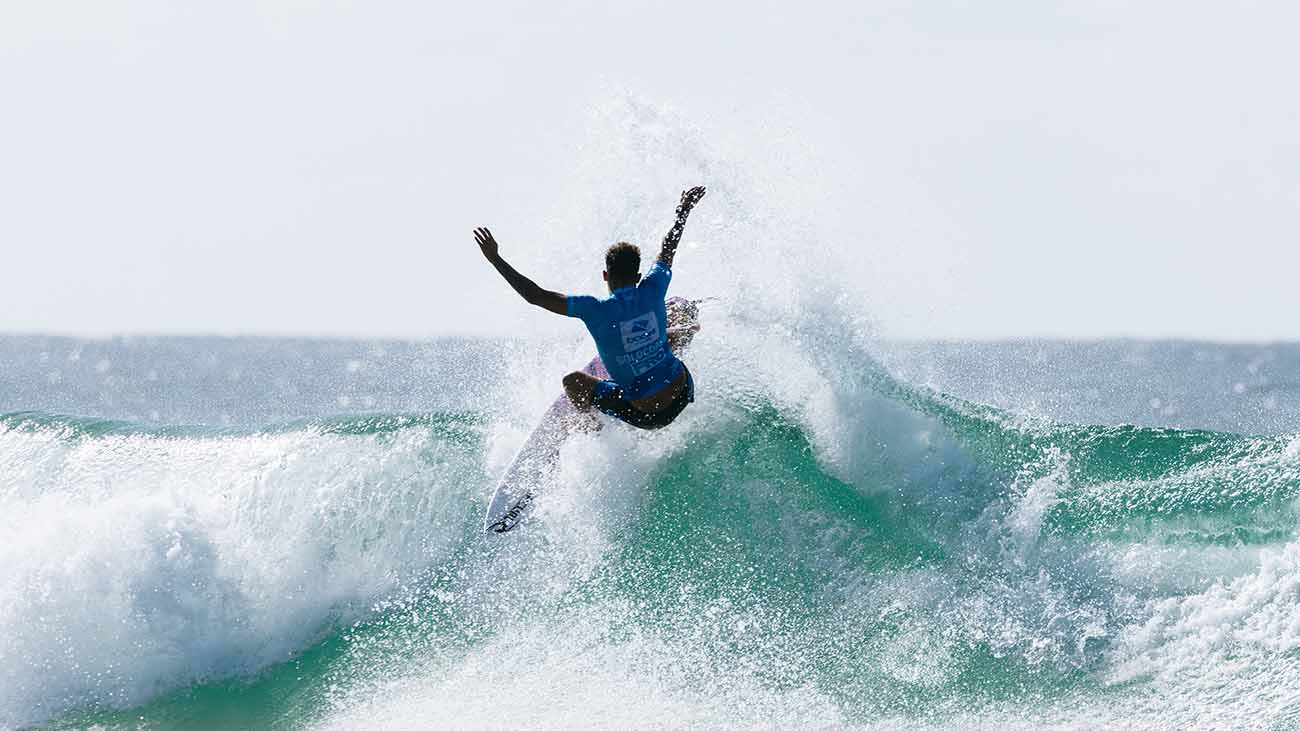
(579, 392)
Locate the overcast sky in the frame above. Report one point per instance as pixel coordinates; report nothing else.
(993, 169)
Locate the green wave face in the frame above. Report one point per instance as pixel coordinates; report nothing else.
(1004, 572)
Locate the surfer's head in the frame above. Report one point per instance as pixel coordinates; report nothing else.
(622, 265)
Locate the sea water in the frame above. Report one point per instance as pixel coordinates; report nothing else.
(199, 534)
(843, 531)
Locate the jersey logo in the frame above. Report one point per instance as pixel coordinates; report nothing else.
(639, 332)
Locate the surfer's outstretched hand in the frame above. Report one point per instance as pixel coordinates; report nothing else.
(689, 198)
(486, 243)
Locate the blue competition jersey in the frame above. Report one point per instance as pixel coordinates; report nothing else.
(630, 328)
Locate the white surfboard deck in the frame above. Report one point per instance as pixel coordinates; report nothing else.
(535, 463)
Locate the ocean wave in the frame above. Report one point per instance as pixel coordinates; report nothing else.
(137, 561)
(865, 589)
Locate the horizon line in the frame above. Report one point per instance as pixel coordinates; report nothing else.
(1005, 339)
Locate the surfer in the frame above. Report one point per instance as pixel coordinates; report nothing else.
(648, 386)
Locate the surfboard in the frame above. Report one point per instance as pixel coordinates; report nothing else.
(535, 463)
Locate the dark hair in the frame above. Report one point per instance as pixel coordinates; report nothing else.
(623, 260)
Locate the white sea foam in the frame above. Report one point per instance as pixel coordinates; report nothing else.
(575, 674)
(135, 564)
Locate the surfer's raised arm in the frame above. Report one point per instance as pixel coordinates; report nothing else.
(674, 237)
(527, 288)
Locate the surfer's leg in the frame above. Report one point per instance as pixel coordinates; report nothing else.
(580, 388)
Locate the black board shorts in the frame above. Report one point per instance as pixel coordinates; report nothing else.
(610, 401)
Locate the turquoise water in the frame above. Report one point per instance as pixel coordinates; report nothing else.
(925, 536)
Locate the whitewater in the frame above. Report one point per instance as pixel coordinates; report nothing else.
(843, 532)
